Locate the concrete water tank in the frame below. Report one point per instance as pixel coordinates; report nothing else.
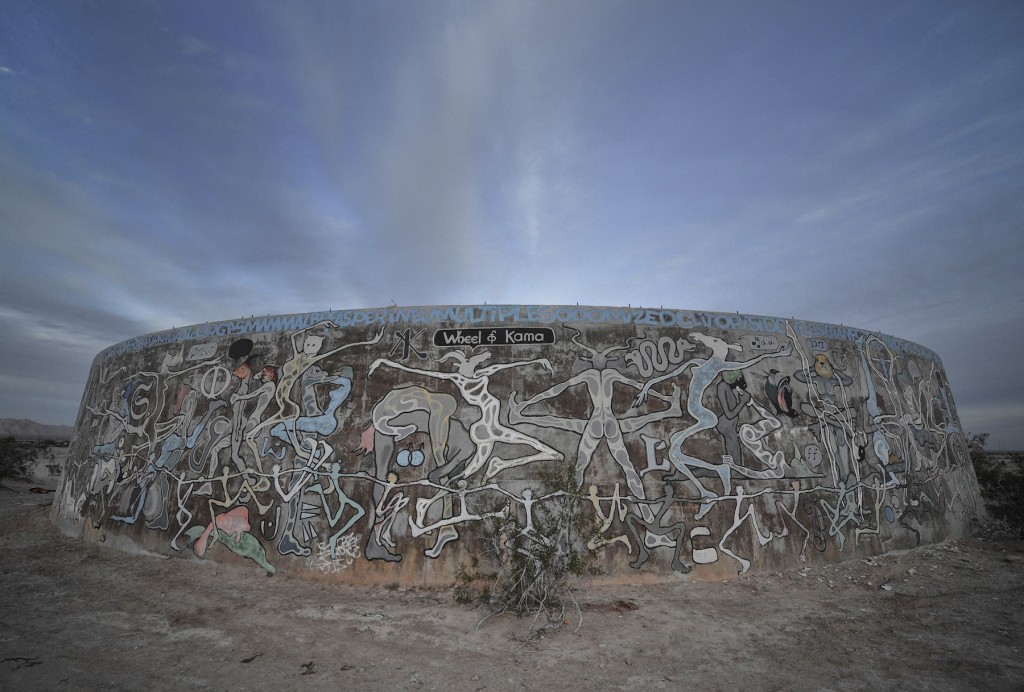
(375, 445)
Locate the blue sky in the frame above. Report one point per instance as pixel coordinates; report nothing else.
(171, 163)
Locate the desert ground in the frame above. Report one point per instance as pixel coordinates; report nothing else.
(85, 616)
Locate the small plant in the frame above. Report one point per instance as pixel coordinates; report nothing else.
(1001, 478)
(535, 559)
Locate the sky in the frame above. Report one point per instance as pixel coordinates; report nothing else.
(172, 163)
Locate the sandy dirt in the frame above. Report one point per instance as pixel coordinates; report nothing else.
(77, 615)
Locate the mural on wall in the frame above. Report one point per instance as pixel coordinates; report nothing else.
(333, 443)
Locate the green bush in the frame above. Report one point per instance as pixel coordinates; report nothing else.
(534, 568)
(16, 457)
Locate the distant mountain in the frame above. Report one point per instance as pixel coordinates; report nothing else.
(24, 429)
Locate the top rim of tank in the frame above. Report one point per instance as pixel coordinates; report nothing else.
(507, 312)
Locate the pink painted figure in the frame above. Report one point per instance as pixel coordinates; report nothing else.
(233, 523)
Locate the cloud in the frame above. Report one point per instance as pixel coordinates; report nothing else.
(466, 135)
(172, 169)
(191, 47)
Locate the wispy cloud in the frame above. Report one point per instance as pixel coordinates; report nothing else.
(158, 168)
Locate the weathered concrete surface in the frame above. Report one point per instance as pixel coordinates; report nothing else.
(370, 446)
(76, 615)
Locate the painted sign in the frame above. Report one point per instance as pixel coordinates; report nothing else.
(494, 336)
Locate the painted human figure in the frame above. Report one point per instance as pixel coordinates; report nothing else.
(462, 490)
(333, 487)
(108, 461)
(616, 510)
(289, 423)
(265, 385)
(657, 527)
(738, 519)
(174, 447)
(316, 419)
(382, 519)
(401, 413)
(311, 453)
(837, 519)
(602, 425)
(303, 356)
(705, 370)
(833, 416)
(109, 467)
(244, 374)
(159, 388)
(472, 380)
(731, 392)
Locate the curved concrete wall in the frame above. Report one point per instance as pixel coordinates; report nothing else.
(371, 445)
